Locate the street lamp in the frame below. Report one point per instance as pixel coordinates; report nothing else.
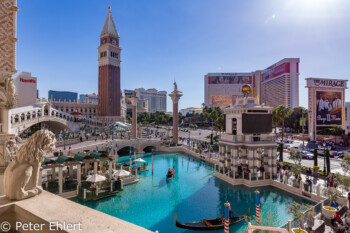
(189, 139)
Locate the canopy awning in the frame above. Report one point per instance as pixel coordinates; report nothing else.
(62, 159)
(121, 173)
(96, 178)
(96, 155)
(139, 160)
(81, 157)
(47, 161)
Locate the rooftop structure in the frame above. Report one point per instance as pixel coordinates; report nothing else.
(247, 146)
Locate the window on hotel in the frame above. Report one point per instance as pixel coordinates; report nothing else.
(234, 126)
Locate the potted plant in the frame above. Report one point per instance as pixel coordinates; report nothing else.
(342, 183)
(298, 213)
(309, 216)
(296, 171)
(332, 194)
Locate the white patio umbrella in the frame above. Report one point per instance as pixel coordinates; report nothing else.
(139, 160)
(121, 173)
(96, 178)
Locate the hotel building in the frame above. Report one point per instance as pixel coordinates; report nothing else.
(276, 85)
(156, 99)
(26, 89)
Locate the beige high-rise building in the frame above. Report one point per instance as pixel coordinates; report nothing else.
(276, 85)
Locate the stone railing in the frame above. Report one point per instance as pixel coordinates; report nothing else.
(247, 138)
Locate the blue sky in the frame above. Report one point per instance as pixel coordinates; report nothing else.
(182, 40)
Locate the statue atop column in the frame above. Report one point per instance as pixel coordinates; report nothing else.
(175, 97)
(175, 87)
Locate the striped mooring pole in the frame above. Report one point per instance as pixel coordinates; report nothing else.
(152, 160)
(135, 155)
(130, 159)
(257, 206)
(227, 217)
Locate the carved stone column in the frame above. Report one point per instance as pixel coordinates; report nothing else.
(8, 14)
(60, 179)
(134, 116)
(79, 173)
(175, 97)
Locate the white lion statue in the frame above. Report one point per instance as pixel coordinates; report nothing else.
(22, 174)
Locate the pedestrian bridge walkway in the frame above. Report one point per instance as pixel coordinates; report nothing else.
(23, 118)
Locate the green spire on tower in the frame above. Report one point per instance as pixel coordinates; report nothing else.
(109, 26)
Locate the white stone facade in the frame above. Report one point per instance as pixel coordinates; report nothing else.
(246, 156)
(157, 100)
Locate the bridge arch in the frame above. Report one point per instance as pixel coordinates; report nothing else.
(126, 150)
(149, 149)
(55, 125)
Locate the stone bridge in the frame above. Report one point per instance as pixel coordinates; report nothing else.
(24, 117)
(122, 144)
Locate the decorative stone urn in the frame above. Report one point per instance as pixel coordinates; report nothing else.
(329, 212)
(342, 200)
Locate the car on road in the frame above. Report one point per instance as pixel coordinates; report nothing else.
(333, 153)
(286, 140)
(341, 154)
(307, 155)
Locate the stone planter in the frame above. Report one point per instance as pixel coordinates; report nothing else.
(297, 230)
(295, 183)
(329, 212)
(343, 201)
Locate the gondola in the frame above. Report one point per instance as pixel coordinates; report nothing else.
(170, 175)
(208, 224)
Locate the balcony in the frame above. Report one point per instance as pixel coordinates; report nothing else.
(247, 138)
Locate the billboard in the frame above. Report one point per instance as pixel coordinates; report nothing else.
(256, 123)
(329, 108)
(221, 79)
(332, 83)
(223, 100)
(275, 71)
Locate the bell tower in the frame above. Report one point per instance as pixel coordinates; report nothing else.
(109, 92)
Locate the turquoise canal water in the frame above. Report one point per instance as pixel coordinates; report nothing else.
(193, 194)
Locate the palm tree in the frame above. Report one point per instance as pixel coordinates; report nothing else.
(275, 119)
(213, 116)
(219, 122)
(282, 114)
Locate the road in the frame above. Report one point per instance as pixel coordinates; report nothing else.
(335, 162)
(201, 134)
